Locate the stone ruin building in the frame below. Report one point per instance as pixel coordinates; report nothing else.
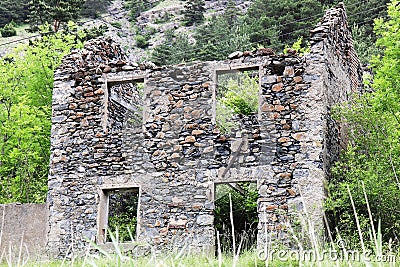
(151, 132)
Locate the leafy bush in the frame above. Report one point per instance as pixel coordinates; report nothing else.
(224, 118)
(238, 94)
(242, 96)
(141, 41)
(94, 32)
(122, 214)
(116, 24)
(372, 158)
(8, 31)
(299, 47)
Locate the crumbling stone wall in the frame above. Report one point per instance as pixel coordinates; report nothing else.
(107, 135)
(334, 74)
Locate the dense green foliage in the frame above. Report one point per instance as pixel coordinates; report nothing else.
(13, 10)
(193, 12)
(175, 49)
(141, 41)
(122, 214)
(53, 12)
(268, 23)
(41, 11)
(361, 21)
(231, 31)
(237, 94)
(373, 154)
(244, 215)
(26, 79)
(276, 22)
(365, 13)
(8, 30)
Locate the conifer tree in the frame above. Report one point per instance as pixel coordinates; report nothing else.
(136, 7)
(53, 12)
(279, 22)
(13, 10)
(231, 13)
(194, 12)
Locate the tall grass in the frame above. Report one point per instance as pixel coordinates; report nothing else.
(238, 258)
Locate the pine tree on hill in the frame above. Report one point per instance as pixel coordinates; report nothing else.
(279, 22)
(194, 12)
(53, 12)
(13, 10)
(231, 13)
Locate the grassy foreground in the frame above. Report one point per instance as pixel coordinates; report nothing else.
(246, 259)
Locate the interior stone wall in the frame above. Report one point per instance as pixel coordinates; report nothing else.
(176, 154)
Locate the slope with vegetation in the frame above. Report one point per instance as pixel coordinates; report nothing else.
(267, 23)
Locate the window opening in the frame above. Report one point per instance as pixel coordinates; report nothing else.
(127, 97)
(236, 95)
(244, 197)
(122, 213)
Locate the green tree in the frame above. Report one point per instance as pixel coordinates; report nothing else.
(16, 10)
(136, 7)
(94, 8)
(275, 23)
(214, 40)
(175, 49)
(231, 13)
(26, 78)
(193, 12)
(372, 158)
(220, 37)
(54, 12)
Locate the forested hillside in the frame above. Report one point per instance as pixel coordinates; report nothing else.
(169, 32)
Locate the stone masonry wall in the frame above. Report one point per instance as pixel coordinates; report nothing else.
(334, 74)
(107, 133)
